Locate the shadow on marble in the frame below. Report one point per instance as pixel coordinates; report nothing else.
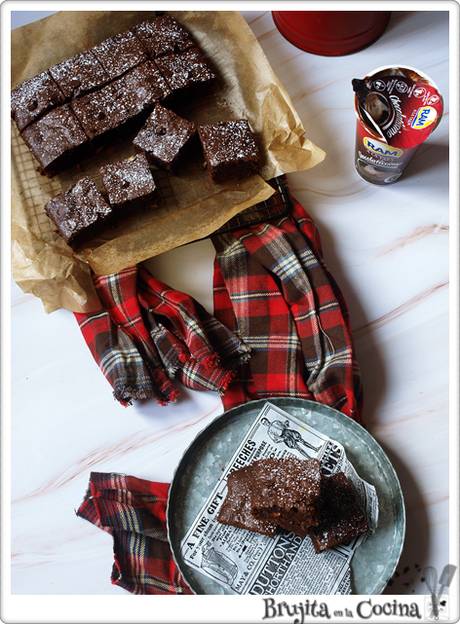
(409, 571)
(396, 18)
(392, 34)
(374, 379)
(430, 157)
(371, 363)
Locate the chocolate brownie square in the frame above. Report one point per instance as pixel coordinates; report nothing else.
(100, 112)
(165, 139)
(33, 98)
(79, 213)
(163, 35)
(341, 519)
(139, 90)
(188, 74)
(287, 492)
(56, 140)
(120, 53)
(236, 508)
(79, 74)
(130, 185)
(230, 150)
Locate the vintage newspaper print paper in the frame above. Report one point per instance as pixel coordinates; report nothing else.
(193, 208)
(245, 562)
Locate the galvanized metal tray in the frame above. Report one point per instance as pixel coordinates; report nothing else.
(373, 563)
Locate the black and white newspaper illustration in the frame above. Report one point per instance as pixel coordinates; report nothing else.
(245, 562)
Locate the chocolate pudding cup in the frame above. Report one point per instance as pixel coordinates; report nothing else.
(386, 97)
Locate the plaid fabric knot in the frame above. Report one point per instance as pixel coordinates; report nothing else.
(133, 512)
(273, 290)
(147, 334)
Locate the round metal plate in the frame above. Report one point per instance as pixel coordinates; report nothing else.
(374, 561)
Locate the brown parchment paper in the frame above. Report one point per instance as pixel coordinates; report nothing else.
(193, 207)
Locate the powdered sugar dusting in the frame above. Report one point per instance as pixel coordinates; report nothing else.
(231, 140)
(128, 179)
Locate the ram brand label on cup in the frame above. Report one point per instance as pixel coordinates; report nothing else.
(382, 149)
(424, 117)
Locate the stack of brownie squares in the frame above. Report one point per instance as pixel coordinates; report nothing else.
(292, 494)
(128, 84)
(109, 88)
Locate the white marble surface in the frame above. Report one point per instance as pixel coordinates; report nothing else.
(388, 248)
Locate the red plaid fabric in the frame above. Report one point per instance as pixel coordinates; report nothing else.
(133, 512)
(207, 352)
(273, 290)
(148, 334)
(273, 296)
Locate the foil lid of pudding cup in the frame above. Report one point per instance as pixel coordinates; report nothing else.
(400, 103)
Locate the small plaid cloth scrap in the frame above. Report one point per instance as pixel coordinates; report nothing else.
(133, 512)
(148, 334)
(274, 291)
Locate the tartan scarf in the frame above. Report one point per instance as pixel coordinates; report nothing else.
(148, 334)
(133, 511)
(273, 297)
(273, 290)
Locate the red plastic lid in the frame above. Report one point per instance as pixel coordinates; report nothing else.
(331, 33)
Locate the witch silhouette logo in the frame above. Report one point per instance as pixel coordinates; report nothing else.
(280, 432)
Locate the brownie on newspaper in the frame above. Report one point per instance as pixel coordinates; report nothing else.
(287, 492)
(341, 519)
(236, 508)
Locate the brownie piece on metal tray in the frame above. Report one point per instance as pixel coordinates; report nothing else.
(341, 518)
(230, 150)
(188, 74)
(33, 98)
(56, 140)
(287, 491)
(130, 185)
(79, 213)
(120, 53)
(79, 74)
(165, 139)
(236, 508)
(163, 35)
